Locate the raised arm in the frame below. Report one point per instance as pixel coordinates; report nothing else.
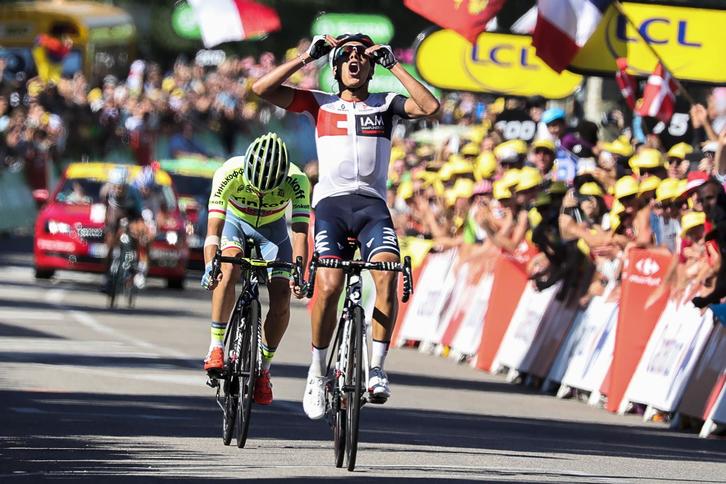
(269, 87)
(421, 102)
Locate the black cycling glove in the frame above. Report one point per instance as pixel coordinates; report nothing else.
(384, 56)
(319, 47)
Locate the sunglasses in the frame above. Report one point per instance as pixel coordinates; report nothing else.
(345, 52)
(628, 199)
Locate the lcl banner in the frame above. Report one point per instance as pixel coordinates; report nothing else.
(643, 272)
(497, 63)
(691, 40)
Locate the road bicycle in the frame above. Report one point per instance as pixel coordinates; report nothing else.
(123, 268)
(347, 370)
(243, 358)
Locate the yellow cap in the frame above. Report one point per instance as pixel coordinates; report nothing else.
(168, 84)
(544, 143)
(621, 146)
(445, 172)
(529, 177)
(426, 176)
(543, 198)
(591, 189)
(557, 188)
(510, 150)
(424, 151)
(617, 208)
(667, 190)
(463, 188)
(625, 187)
(510, 178)
(94, 94)
(486, 165)
(397, 153)
(647, 158)
(500, 190)
(470, 149)
(682, 188)
(534, 217)
(648, 184)
(614, 222)
(459, 166)
(497, 106)
(405, 190)
(692, 220)
(680, 150)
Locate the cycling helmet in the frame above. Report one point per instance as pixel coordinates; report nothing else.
(344, 39)
(266, 163)
(145, 178)
(118, 175)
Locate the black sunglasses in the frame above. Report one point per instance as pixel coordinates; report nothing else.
(345, 52)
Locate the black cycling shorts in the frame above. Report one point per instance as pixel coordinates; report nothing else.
(360, 217)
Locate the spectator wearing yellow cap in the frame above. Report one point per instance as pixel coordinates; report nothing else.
(635, 218)
(677, 164)
(648, 162)
(511, 154)
(665, 223)
(692, 226)
(543, 156)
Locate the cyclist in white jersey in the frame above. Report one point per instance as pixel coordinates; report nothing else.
(353, 138)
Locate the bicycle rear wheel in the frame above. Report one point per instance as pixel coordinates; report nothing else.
(231, 384)
(250, 367)
(354, 375)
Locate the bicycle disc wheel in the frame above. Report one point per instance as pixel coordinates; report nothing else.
(230, 388)
(249, 356)
(353, 378)
(338, 412)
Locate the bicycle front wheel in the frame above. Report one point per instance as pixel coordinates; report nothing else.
(337, 408)
(114, 276)
(250, 368)
(354, 375)
(230, 385)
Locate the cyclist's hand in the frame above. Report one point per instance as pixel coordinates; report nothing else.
(207, 281)
(297, 291)
(320, 46)
(383, 55)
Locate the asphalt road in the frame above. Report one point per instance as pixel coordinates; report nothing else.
(119, 396)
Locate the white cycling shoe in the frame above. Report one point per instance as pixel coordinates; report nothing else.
(378, 389)
(314, 398)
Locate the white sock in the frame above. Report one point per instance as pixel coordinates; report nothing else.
(317, 366)
(378, 353)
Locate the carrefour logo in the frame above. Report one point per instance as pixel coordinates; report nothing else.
(647, 267)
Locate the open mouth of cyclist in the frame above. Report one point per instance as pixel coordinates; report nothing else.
(354, 68)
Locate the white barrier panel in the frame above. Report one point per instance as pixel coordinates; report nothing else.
(467, 338)
(592, 350)
(456, 284)
(422, 317)
(669, 357)
(718, 412)
(564, 356)
(523, 327)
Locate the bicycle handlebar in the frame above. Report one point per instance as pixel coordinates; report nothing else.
(349, 266)
(247, 263)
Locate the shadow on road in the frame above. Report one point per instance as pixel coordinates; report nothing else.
(91, 435)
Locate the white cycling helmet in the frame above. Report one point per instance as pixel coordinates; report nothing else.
(119, 175)
(266, 162)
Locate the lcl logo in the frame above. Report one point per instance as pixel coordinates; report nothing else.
(647, 266)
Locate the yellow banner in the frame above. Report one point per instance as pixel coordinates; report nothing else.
(690, 40)
(498, 63)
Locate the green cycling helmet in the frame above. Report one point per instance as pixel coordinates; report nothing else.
(266, 162)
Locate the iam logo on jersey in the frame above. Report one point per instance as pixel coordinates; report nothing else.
(372, 125)
(647, 267)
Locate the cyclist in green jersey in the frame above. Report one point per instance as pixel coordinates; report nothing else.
(250, 195)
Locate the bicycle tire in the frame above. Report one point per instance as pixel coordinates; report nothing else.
(113, 275)
(338, 411)
(249, 355)
(354, 373)
(230, 386)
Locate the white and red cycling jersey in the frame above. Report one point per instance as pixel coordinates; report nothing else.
(353, 140)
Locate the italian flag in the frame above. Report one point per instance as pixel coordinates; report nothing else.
(233, 20)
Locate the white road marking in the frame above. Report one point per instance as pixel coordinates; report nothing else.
(21, 314)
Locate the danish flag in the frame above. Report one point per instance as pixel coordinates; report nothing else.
(659, 95)
(626, 83)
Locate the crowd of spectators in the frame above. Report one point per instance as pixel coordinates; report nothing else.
(582, 193)
(42, 124)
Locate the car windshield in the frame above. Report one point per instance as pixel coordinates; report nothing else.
(79, 191)
(194, 186)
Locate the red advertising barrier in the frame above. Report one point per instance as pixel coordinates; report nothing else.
(642, 273)
(510, 279)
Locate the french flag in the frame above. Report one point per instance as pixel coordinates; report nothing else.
(233, 20)
(563, 27)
